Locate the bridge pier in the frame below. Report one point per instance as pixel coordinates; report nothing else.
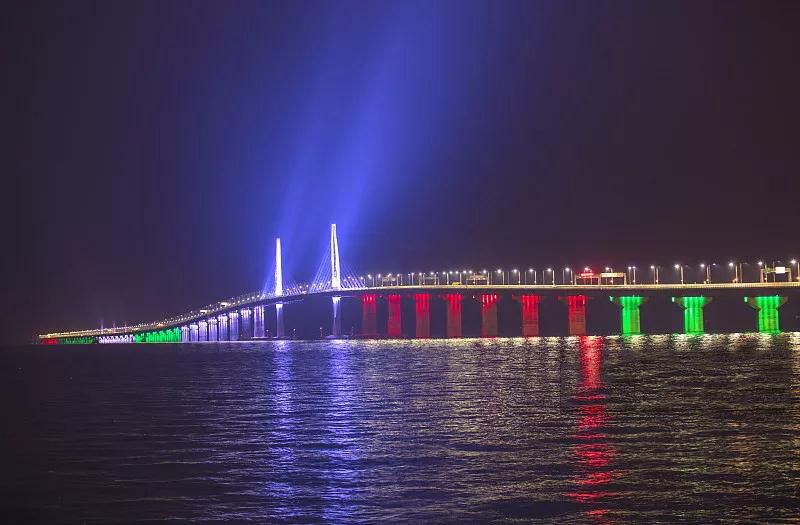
(629, 313)
(233, 318)
(576, 311)
(258, 322)
(247, 324)
(453, 314)
(212, 329)
(369, 325)
(395, 324)
(222, 323)
(336, 329)
(692, 312)
(279, 331)
(489, 315)
(193, 332)
(767, 308)
(530, 314)
(422, 303)
(202, 331)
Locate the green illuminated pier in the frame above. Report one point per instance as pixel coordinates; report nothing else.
(629, 313)
(692, 312)
(767, 307)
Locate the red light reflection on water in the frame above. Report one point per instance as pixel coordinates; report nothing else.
(593, 454)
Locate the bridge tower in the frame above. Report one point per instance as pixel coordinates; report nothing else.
(278, 288)
(336, 283)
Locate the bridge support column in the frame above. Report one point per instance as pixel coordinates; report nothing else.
(629, 313)
(336, 329)
(202, 331)
(212, 329)
(489, 315)
(395, 323)
(576, 312)
(422, 303)
(453, 314)
(369, 325)
(279, 331)
(193, 333)
(530, 314)
(222, 323)
(247, 323)
(234, 326)
(258, 322)
(692, 312)
(767, 308)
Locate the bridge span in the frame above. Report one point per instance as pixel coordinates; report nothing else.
(243, 317)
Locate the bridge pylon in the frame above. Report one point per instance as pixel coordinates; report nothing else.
(279, 332)
(336, 283)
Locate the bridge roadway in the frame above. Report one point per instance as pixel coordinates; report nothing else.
(544, 290)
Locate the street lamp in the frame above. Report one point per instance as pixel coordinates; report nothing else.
(503, 274)
(707, 268)
(530, 270)
(680, 267)
(518, 276)
(553, 274)
(563, 275)
(735, 270)
(794, 261)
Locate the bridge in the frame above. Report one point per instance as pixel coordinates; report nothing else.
(243, 317)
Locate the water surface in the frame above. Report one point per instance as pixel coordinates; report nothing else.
(560, 430)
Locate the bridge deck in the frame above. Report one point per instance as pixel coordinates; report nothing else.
(252, 299)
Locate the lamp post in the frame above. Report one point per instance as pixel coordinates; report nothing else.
(632, 269)
(503, 274)
(735, 271)
(530, 271)
(707, 268)
(515, 271)
(761, 275)
(797, 269)
(553, 274)
(680, 267)
(564, 273)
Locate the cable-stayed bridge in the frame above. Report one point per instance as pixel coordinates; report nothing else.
(244, 317)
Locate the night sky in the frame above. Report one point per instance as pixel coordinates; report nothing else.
(154, 150)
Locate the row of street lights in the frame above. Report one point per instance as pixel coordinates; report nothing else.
(531, 276)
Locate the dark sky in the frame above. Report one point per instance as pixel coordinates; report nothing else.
(155, 149)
